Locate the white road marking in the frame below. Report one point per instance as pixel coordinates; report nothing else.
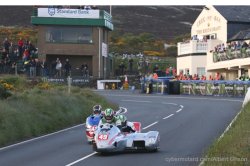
(125, 110)
(30, 140)
(138, 101)
(179, 110)
(169, 103)
(150, 125)
(181, 97)
(168, 116)
(85, 157)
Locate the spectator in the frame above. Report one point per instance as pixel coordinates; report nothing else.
(94, 7)
(155, 69)
(6, 64)
(26, 55)
(174, 72)
(44, 68)
(130, 65)
(244, 45)
(155, 76)
(210, 77)
(20, 46)
(122, 67)
(53, 68)
(203, 78)
(221, 77)
(217, 77)
(67, 68)
(87, 7)
(32, 68)
(85, 70)
(31, 48)
(58, 68)
(6, 45)
(167, 71)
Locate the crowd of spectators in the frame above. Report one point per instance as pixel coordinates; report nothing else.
(22, 57)
(235, 45)
(233, 50)
(11, 53)
(182, 76)
(243, 77)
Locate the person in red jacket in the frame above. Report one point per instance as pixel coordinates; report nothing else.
(20, 46)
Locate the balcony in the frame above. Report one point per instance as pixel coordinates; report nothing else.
(196, 47)
(228, 59)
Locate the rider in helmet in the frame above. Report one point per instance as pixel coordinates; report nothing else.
(108, 117)
(97, 110)
(124, 125)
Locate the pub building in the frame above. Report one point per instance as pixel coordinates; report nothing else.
(217, 27)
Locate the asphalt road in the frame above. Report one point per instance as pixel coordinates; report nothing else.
(187, 126)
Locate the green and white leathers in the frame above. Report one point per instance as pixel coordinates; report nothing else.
(108, 117)
(121, 120)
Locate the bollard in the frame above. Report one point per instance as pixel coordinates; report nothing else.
(69, 80)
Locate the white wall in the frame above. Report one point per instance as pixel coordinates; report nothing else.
(210, 22)
(191, 62)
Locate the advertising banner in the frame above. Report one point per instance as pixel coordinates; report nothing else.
(213, 88)
(200, 88)
(239, 90)
(156, 87)
(70, 13)
(185, 88)
(228, 89)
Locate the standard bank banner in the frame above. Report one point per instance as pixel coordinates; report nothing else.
(68, 13)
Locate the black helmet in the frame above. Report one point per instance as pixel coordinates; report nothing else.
(97, 109)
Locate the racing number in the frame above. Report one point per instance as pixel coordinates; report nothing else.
(103, 137)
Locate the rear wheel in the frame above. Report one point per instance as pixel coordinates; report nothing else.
(94, 146)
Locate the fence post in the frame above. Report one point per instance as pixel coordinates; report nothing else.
(69, 80)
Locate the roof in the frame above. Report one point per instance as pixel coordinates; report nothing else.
(241, 35)
(234, 13)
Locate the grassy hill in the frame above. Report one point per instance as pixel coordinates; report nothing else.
(165, 22)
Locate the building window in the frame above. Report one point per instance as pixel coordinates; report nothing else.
(81, 35)
(187, 71)
(201, 71)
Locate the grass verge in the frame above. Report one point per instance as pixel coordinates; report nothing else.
(36, 110)
(234, 148)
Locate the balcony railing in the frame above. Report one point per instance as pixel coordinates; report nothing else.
(230, 54)
(195, 46)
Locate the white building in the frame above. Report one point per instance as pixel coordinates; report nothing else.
(214, 26)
